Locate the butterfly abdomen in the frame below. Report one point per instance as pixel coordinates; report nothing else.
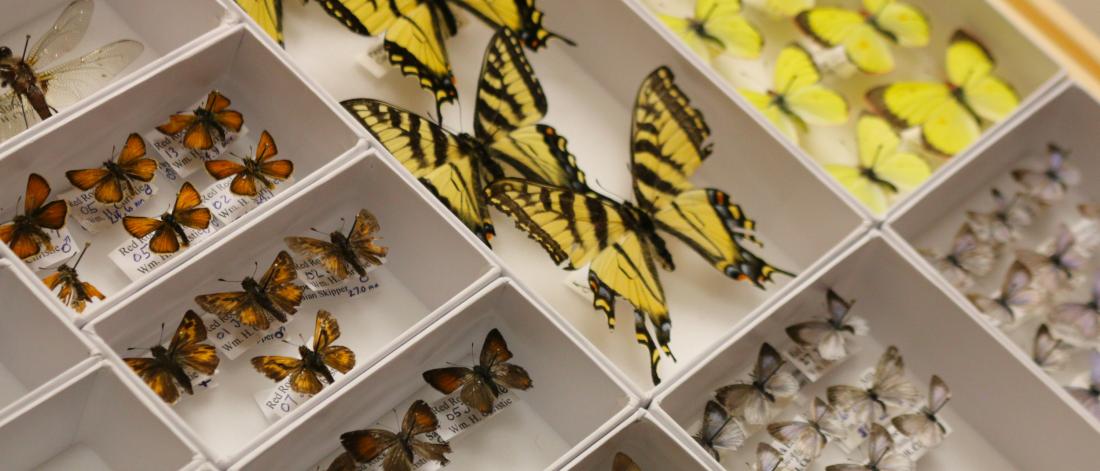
(259, 297)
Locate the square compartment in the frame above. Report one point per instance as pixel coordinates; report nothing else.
(413, 293)
(574, 401)
(30, 325)
(645, 440)
(261, 85)
(1018, 61)
(591, 90)
(993, 391)
(162, 27)
(95, 421)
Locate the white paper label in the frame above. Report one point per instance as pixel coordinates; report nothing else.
(136, 260)
(63, 249)
(455, 417)
(281, 400)
(182, 160)
(312, 273)
(94, 216)
(233, 338)
(360, 286)
(790, 459)
(228, 207)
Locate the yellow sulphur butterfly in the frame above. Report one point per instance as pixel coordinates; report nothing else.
(883, 171)
(798, 98)
(781, 8)
(716, 27)
(950, 114)
(866, 36)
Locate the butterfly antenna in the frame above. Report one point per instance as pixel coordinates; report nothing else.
(605, 191)
(223, 280)
(317, 231)
(255, 268)
(472, 352)
(342, 222)
(160, 338)
(26, 44)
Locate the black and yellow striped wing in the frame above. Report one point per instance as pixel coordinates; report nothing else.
(414, 44)
(368, 17)
(510, 104)
(268, 14)
(669, 142)
(520, 16)
(449, 167)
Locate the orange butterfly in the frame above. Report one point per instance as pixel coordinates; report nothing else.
(249, 171)
(74, 293)
(306, 373)
(165, 372)
(26, 233)
(357, 249)
(115, 180)
(398, 450)
(168, 227)
(215, 117)
(276, 295)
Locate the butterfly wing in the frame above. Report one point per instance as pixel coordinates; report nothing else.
(187, 211)
(745, 400)
(414, 44)
(434, 156)
(238, 305)
(796, 78)
(366, 445)
(970, 66)
(448, 380)
(364, 234)
(329, 254)
(278, 368)
(904, 23)
(495, 356)
(622, 462)
(73, 80)
(221, 169)
(946, 125)
(719, 430)
(519, 16)
(798, 435)
(133, 162)
(139, 227)
(268, 15)
(279, 284)
(177, 123)
(187, 349)
(156, 377)
(90, 178)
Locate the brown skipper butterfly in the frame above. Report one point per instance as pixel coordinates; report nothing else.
(165, 372)
(260, 169)
(482, 383)
(400, 449)
(356, 250)
(74, 293)
(307, 373)
(114, 181)
(203, 125)
(276, 294)
(167, 229)
(26, 233)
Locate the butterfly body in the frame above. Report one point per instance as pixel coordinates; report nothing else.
(167, 229)
(257, 294)
(348, 254)
(206, 125)
(164, 360)
(276, 295)
(356, 249)
(74, 292)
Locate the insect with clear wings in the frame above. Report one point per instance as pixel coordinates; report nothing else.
(43, 91)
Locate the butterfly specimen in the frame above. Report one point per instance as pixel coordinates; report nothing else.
(880, 455)
(205, 125)
(883, 171)
(114, 181)
(1050, 184)
(767, 458)
(781, 9)
(950, 114)
(74, 293)
(356, 250)
(866, 35)
(1089, 397)
(1048, 351)
(888, 390)
(1055, 271)
(249, 171)
(622, 462)
(968, 258)
(924, 427)
(268, 15)
(721, 430)
(400, 449)
(830, 336)
(414, 32)
(717, 27)
(166, 371)
(507, 133)
(167, 229)
(1083, 319)
(753, 401)
(482, 383)
(307, 372)
(810, 435)
(276, 295)
(26, 233)
(619, 240)
(1003, 223)
(1017, 296)
(45, 90)
(797, 98)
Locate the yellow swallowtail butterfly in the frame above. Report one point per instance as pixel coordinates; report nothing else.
(798, 98)
(950, 114)
(268, 14)
(717, 27)
(884, 171)
(866, 36)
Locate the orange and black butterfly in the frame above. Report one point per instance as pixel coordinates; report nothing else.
(204, 125)
(307, 373)
(114, 181)
(166, 371)
(276, 295)
(400, 449)
(483, 383)
(26, 234)
(167, 229)
(260, 169)
(356, 250)
(74, 293)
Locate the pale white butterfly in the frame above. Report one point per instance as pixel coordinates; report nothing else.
(1054, 271)
(1050, 184)
(1004, 222)
(924, 427)
(810, 435)
(1090, 396)
(880, 455)
(767, 458)
(753, 400)
(1081, 319)
(968, 258)
(720, 430)
(1048, 351)
(889, 389)
(829, 336)
(1017, 296)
